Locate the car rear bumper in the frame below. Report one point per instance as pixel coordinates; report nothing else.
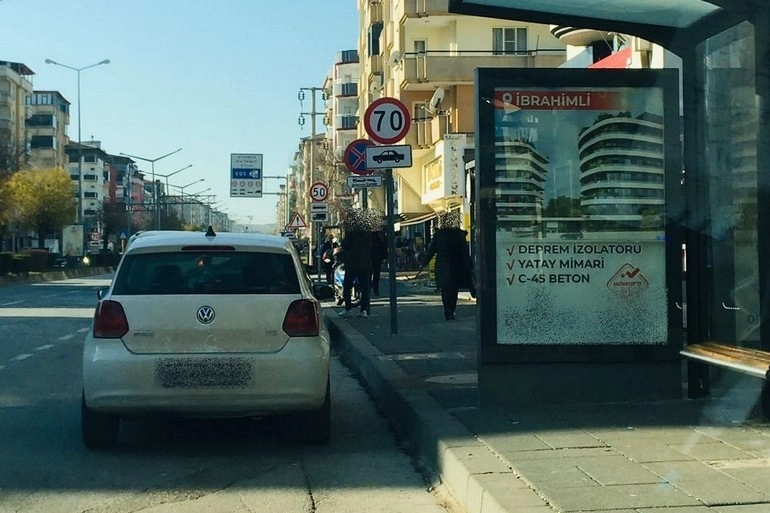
(207, 385)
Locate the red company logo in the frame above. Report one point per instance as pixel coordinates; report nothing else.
(628, 282)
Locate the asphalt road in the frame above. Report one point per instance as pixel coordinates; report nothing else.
(176, 466)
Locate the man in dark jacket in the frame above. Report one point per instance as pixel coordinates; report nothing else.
(357, 248)
(453, 263)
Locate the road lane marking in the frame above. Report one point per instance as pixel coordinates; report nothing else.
(11, 303)
(21, 357)
(66, 337)
(83, 330)
(44, 347)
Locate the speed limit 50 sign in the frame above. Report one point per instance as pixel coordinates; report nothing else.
(319, 191)
(387, 120)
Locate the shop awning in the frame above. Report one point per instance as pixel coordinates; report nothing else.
(411, 218)
(618, 60)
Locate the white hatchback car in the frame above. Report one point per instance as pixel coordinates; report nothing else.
(207, 325)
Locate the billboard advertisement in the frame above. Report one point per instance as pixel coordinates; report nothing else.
(579, 171)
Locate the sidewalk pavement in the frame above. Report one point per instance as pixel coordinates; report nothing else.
(684, 456)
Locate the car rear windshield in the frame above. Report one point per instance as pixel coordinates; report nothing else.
(201, 272)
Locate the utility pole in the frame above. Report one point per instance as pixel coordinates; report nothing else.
(315, 235)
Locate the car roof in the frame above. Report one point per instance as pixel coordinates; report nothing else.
(172, 239)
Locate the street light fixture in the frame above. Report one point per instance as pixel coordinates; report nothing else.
(200, 192)
(181, 193)
(198, 200)
(79, 216)
(173, 173)
(154, 189)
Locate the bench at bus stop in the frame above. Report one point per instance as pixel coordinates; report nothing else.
(749, 361)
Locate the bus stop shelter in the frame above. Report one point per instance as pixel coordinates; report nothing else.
(717, 207)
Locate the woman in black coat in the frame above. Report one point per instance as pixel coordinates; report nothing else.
(453, 263)
(357, 255)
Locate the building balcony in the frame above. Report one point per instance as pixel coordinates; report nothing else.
(346, 56)
(422, 8)
(425, 133)
(433, 68)
(579, 36)
(347, 89)
(345, 122)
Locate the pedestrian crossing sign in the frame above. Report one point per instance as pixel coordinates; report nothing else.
(297, 221)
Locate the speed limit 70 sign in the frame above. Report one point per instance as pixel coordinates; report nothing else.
(387, 120)
(319, 191)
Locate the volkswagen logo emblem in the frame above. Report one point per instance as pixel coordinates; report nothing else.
(205, 315)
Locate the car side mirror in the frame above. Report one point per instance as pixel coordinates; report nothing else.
(101, 293)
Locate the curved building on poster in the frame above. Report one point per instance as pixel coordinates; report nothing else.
(520, 175)
(621, 173)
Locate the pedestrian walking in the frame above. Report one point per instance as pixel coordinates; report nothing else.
(453, 263)
(357, 250)
(379, 255)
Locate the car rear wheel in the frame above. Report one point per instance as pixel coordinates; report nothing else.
(314, 427)
(99, 429)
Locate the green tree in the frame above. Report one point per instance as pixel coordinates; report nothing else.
(42, 201)
(12, 159)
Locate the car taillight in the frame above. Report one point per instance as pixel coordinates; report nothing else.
(110, 320)
(302, 319)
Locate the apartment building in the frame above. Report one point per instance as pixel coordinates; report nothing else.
(15, 87)
(341, 121)
(49, 116)
(88, 168)
(418, 52)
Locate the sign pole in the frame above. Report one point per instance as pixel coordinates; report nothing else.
(320, 256)
(389, 192)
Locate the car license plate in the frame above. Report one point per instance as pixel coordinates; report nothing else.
(203, 372)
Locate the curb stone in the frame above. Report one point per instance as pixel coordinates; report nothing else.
(477, 478)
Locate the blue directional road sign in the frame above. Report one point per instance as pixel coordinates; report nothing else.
(246, 175)
(355, 156)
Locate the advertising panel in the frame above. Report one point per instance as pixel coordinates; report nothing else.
(580, 171)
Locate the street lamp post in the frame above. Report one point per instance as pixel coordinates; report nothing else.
(172, 174)
(79, 216)
(154, 188)
(181, 193)
(166, 190)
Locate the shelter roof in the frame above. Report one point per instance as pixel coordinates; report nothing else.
(671, 23)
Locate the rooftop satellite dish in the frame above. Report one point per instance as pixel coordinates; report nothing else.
(435, 101)
(395, 59)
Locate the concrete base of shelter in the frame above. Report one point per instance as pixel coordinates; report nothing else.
(526, 384)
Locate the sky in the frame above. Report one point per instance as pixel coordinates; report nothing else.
(212, 77)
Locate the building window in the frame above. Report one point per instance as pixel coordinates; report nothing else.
(42, 141)
(374, 38)
(41, 120)
(420, 46)
(509, 41)
(89, 194)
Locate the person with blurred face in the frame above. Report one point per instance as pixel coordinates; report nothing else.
(357, 250)
(453, 262)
